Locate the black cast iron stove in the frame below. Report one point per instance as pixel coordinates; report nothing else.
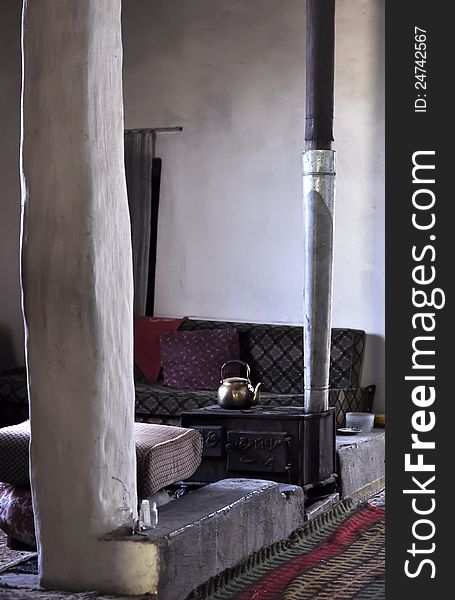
(278, 443)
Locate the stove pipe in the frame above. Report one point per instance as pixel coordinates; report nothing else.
(318, 197)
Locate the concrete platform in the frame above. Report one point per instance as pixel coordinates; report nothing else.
(216, 527)
(197, 536)
(360, 464)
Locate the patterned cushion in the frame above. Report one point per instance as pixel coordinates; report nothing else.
(13, 412)
(193, 359)
(13, 385)
(164, 455)
(13, 397)
(351, 400)
(16, 513)
(346, 357)
(163, 400)
(275, 354)
(14, 450)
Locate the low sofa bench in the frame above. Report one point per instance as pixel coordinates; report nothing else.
(164, 455)
(275, 356)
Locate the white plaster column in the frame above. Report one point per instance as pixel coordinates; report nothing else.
(77, 291)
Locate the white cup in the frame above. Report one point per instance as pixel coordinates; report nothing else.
(361, 420)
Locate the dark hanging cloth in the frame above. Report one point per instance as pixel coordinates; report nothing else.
(138, 167)
(156, 185)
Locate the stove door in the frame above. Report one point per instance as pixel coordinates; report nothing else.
(265, 451)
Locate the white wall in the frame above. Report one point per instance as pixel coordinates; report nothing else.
(359, 134)
(230, 231)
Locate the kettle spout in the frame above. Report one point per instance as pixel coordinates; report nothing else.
(256, 393)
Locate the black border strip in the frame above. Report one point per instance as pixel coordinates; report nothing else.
(407, 132)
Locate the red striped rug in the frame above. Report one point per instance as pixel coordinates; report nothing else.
(339, 556)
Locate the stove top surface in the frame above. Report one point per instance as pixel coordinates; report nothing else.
(260, 410)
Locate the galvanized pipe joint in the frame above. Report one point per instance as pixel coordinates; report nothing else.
(319, 197)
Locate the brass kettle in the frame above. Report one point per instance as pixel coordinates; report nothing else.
(237, 392)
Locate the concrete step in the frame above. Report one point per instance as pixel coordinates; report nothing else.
(214, 528)
(360, 464)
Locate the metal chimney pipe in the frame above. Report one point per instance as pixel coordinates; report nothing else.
(318, 197)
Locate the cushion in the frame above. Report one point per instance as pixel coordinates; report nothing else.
(164, 455)
(346, 357)
(164, 401)
(16, 513)
(14, 452)
(147, 331)
(275, 354)
(13, 385)
(13, 397)
(193, 359)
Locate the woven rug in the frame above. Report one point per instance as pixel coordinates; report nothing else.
(9, 558)
(338, 556)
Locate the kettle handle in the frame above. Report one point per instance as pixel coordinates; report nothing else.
(240, 362)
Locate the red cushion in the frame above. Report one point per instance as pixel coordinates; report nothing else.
(147, 331)
(193, 359)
